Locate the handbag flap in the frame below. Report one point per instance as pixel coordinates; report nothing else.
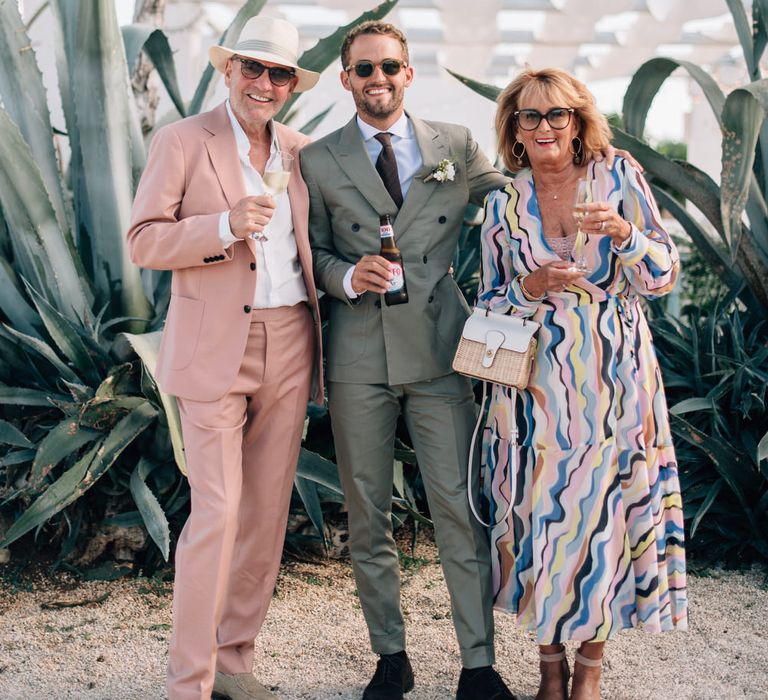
(484, 327)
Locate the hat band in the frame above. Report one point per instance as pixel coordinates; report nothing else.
(266, 46)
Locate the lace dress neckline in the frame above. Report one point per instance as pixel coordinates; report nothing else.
(563, 246)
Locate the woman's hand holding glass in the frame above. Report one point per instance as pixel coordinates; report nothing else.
(551, 277)
(601, 219)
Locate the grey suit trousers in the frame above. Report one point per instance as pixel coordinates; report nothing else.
(440, 417)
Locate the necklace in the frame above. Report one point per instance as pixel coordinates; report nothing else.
(555, 194)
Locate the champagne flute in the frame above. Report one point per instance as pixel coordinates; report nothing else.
(584, 196)
(277, 173)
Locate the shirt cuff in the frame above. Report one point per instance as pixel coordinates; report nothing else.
(347, 283)
(226, 236)
(632, 250)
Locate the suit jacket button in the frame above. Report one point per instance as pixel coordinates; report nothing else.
(442, 219)
(424, 260)
(247, 309)
(253, 266)
(377, 303)
(431, 298)
(355, 227)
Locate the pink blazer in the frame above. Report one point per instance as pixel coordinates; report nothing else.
(192, 175)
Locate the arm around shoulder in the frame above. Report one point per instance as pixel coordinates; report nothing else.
(482, 176)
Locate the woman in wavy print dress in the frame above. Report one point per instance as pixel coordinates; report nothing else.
(594, 542)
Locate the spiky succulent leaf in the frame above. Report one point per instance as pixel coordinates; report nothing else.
(147, 347)
(110, 142)
(66, 337)
(23, 95)
(742, 120)
(155, 43)
(11, 435)
(13, 304)
(42, 253)
(151, 511)
(744, 31)
(62, 492)
(40, 347)
(645, 85)
(313, 467)
(488, 91)
(62, 441)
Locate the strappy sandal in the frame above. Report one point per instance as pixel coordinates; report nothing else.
(586, 662)
(557, 657)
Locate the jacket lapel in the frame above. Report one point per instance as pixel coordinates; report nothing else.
(434, 148)
(350, 154)
(222, 150)
(223, 154)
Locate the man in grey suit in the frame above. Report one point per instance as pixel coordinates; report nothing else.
(383, 360)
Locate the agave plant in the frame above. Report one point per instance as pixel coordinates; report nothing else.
(719, 416)
(736, 209)
(715, 368)
(88, 440)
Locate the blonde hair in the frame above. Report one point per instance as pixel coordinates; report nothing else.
(563, 90)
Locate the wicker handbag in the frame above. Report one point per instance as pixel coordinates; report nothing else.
(497, 348)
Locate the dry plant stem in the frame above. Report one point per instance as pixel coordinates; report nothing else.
(586, 679)
(58, 604)
(146, 92)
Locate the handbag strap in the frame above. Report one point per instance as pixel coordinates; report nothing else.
(512, 464)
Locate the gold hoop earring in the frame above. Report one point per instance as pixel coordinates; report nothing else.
(518, 156)
(577, 149)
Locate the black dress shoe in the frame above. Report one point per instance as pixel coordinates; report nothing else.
(393, 678)
(482, 683)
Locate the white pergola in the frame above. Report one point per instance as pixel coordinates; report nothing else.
(492, 39)
(603, 42)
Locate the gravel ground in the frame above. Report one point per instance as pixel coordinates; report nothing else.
(314, 644)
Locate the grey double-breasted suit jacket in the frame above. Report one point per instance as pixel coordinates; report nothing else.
(369, 342)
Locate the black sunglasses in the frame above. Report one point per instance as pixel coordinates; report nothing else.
(253, 69)
(557, 118)
(389, 66)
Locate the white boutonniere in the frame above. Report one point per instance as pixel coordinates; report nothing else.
(444, 172)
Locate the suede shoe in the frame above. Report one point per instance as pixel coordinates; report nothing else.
(239, 686)
(393, 678)
(482, 683)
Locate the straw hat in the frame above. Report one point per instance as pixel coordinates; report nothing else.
(267, 39)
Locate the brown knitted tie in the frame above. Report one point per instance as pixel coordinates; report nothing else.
(386, 166)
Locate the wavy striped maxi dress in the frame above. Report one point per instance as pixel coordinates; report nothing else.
(594, 542)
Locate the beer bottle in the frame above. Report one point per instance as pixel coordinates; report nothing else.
(398, 293)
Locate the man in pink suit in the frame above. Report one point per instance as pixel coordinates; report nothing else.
(240, 349)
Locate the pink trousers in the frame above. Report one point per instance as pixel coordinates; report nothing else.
(241, 455)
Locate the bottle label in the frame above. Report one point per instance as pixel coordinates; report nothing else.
(398, 280)
(386, 231)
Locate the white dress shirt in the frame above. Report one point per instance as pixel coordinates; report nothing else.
(408, 158)
(279, 280)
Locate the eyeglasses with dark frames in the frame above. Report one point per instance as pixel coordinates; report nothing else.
(389, 66)
(251, 70)
(557, 117)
